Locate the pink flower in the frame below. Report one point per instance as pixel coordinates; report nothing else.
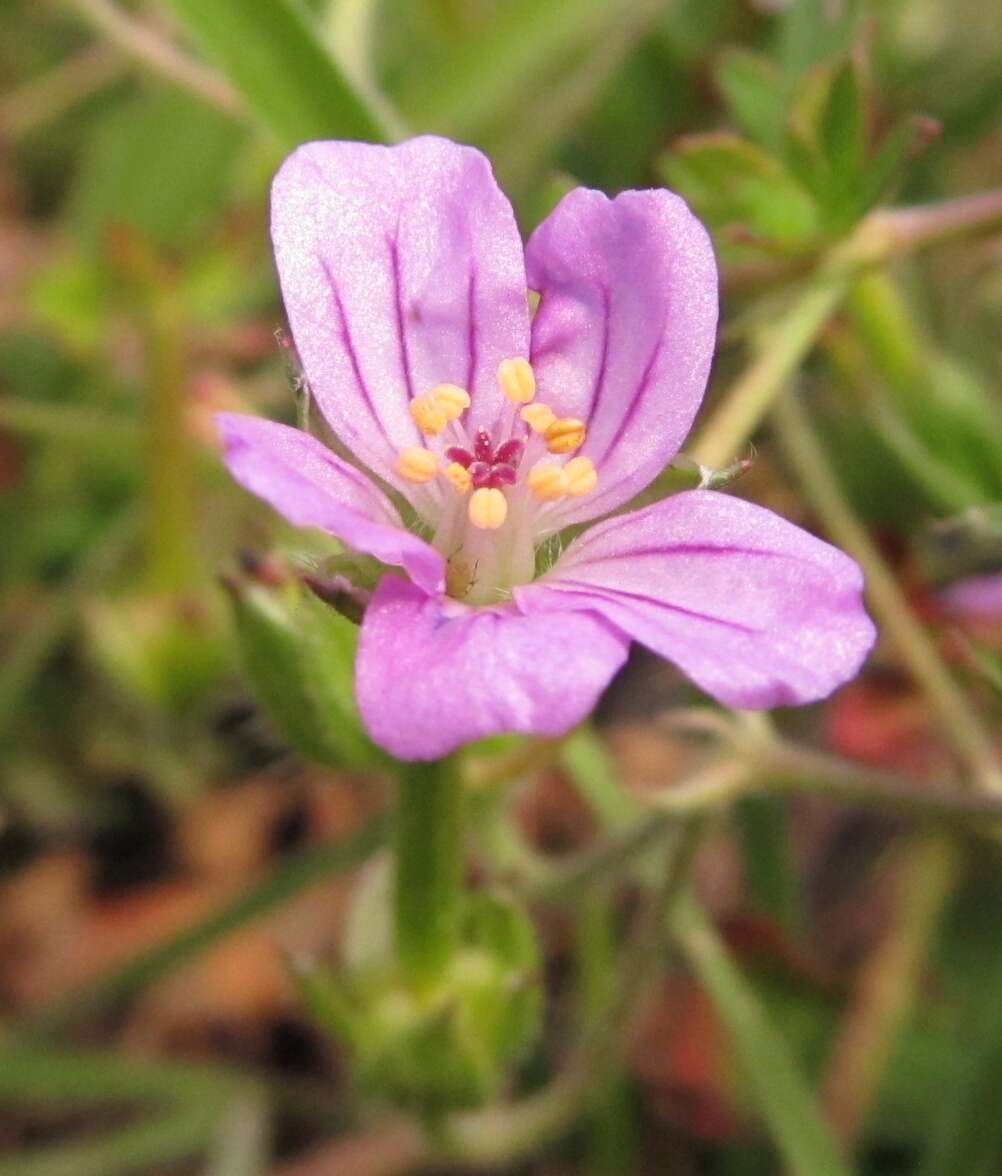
(495, 428)
(976, 597)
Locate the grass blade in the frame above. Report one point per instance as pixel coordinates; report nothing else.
(774, 1080)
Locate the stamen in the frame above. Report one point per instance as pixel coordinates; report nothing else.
(451, 399)
(459, 476)
(429, 416)
(538, 417)
(517, 380)
(581, 476)
(488, 508)
(417, 465)
(565, 435)
(547, 481)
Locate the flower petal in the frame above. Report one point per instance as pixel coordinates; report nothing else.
(312, 487)
(756, 611)
(401, 269)
(978, 596)
(624, 333)
(434, 674)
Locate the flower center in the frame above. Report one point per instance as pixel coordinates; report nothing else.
(500, 484)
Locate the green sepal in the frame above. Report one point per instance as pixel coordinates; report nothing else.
(446, 1046)
(299, 653)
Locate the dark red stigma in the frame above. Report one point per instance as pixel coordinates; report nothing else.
(488, 466)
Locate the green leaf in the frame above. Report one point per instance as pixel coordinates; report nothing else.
(842, 134)
(755, 95)
(513, 57)
(888, 161)
(815, 31)
(161, 163)
(730, 181)
(275, 58)
(773, 1077)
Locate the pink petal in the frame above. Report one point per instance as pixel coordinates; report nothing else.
(401, 268)
(312, 487)
(625, 331)
(434, 674)
(979, 596)
(756, 611)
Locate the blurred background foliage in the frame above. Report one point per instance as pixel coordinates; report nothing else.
(179, 757)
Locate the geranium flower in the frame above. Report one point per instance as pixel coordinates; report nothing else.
(491, 429)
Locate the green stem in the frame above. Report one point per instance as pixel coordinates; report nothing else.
(504, 1134)
(960, 725)
(429, 869)
(902, 230)
(887, 331)
(781, 348)
(778, 353)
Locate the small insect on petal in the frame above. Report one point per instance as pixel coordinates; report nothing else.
(488, 508)
(538, 417)
(565, 435)
(547, 482)
(417, 464)
(517, 380)
(459, 476)
(581, 476)
(429, 416)
(451, 399)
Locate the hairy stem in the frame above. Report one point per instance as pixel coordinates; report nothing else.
(428, 878)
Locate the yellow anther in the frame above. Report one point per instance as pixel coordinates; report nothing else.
(581, 476)
(417, 464)
(517, 379)
(451, 399)
(429, 416)
(488, 508)
(565, 435)
(547, 481)
(459, 476)
(538, 417)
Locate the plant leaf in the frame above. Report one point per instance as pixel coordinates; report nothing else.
(274, 56)
(730, 181)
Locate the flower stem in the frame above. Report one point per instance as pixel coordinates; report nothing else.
(778, 353)
(780, 349)
(429, 870)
